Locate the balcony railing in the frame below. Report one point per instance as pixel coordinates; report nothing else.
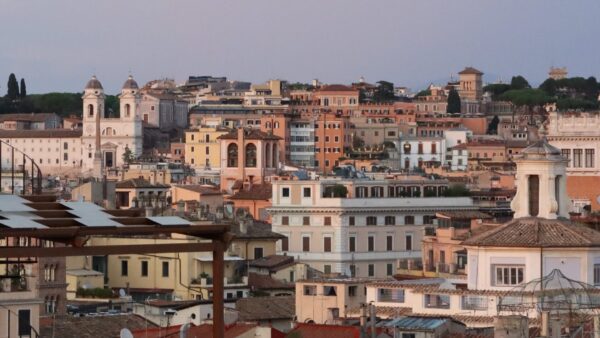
(231, 281)
(14, 284)
(437, 301)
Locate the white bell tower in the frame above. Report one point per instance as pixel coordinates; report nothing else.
(541, 182)
(130, 100)
(93, 100)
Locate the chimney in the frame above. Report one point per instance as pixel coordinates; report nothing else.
(372, 311)
(363, 318)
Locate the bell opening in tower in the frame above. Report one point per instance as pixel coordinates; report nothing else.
(534, 195)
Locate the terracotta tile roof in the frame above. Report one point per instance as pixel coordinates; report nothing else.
(33, 117)
(263, 191)
(266, 308)
(470, 70)
(538, 232)
(303, 330)
(255, 230)
(250, 134)
(42, 133)
(337, 88)
(202, 189)
(382, 311)
(464, 214)
(91, 327)
(258, 281)
(139, 183)
(475, 232)
(272, 262)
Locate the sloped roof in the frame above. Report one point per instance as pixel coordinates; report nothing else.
(263, 191)
(201, 189)
(139, 183)
(249, 134)
(470, 70)
(91, 327)
(265, 282)
(266, 308)
(93, 83)
(533, 232)
(42, 133)
(272, 261)
(33, 117)
(255, 230)
(305, 330)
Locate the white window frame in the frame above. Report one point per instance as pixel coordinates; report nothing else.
(504, 273)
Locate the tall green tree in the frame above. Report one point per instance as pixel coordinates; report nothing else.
(453, 106)
(384, 92)
(12, 88)
(519, 82)
(492, 128)
(549, 86)
(23, 91)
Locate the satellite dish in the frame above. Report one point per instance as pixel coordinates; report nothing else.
(125, 333)
(183, 331)
(122, 293)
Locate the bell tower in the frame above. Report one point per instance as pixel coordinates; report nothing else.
(93, 100)
(541, 182)
(130, 100)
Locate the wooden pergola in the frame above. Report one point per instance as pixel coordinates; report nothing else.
(65, 230)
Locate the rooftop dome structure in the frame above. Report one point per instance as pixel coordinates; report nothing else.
(554, 293)
(93, 83)
(130, 83)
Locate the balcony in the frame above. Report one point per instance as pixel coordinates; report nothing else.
(437, 301)
(16, 288)
(390, 295)
(207, 281)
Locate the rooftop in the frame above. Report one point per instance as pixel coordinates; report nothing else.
(140, 183)
(91, 327)
(42, 133)
(266, 308)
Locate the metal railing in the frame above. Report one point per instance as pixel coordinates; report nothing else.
(474, 303)
(34, 174)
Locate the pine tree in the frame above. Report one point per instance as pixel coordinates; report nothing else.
(23, 92)
(12, 88)
(453, 106)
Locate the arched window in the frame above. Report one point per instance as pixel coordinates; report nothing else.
(232, 155)
(268, 155)
(127, 110)
(268, 125)
(90, 110)
(275, 156)
(251, 155)
(276, 125)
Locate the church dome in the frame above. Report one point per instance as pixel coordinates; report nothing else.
(130, 83)
(93, 83)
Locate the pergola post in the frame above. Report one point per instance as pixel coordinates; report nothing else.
(218, 289)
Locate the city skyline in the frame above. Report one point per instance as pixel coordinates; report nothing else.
(410, 44)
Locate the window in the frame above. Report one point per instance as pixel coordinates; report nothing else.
(285, 220)
(165, 269)
(371, 243)
(408, 335)
(566, 153)
(577, 158)
(207, 138)
(285, 192)
(306, 192)
(207, 151)
(390, 295)
(420, 148)
(250, 155)
(352, 244)
(306, 220)
(589, 158)
(389, 243)
(144, 268)
(352, 290)
(352, 270)
(65, 157)
(351, 221)
(258, 253)
(408, 242)
(90, 110)
(285, 244)
(232, 155)
(371, 271)
(305, 244)
(437, 301)
(327, 244)
(390, 220)
(24, 323)
(428, 219)
(326, 269)
(66, 146)
(409, 220)
(508, 275)
(596, 274)
(433, 148)
(124, 268)
(371, 220)
(310, 290)
(239, 294)
(327, 220)
(389, 269)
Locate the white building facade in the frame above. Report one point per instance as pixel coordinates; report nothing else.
(415, 152)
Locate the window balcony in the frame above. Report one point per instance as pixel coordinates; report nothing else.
(437, 301)
(474, 303)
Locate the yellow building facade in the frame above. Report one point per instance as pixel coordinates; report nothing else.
(202, 147)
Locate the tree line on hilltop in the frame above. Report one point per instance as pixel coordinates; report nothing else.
(17, 100)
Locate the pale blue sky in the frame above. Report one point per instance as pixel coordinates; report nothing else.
(56, 45)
